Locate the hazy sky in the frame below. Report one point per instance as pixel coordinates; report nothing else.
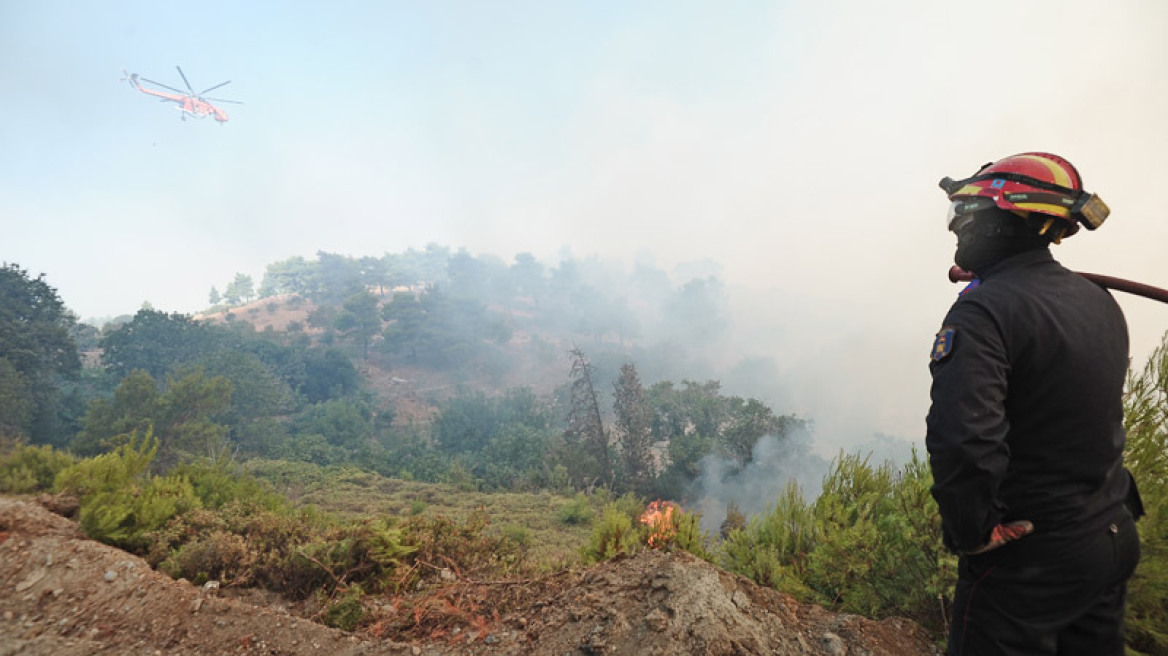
(797, 143)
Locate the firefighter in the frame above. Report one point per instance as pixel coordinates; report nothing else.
(1025, 430)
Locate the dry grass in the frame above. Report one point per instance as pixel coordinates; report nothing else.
(530, 517)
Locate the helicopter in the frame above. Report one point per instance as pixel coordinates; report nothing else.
(189, 102)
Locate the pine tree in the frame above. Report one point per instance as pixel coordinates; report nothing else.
(633, 421)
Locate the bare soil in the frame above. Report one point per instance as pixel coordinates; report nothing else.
(65, 595)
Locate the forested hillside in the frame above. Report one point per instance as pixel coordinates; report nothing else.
(425, 364)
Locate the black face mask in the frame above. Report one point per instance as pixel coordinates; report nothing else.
(992, 236)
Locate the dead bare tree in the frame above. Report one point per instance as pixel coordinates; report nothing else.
(585, 424)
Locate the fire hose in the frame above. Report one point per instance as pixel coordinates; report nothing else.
(957, 274)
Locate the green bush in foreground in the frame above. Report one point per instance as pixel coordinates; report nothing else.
(613, 534)
(26, 469)
(1146, 421)
(870, 544)
(121, 503)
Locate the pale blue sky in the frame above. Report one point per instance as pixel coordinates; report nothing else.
(797, 143)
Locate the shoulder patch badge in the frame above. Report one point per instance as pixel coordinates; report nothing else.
(943, 345)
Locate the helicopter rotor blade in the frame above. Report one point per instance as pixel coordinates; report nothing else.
(184, 77)
(234, 102)
(214, 87)
(159, 84)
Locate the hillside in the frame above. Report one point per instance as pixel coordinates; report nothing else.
(63, 594)
(413, 391)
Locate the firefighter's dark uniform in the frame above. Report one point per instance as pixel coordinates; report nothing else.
(1026, 423)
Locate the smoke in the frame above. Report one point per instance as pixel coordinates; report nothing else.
(777, 462)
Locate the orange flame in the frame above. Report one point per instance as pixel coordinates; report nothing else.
(659, 518)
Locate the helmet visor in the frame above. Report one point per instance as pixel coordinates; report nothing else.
(962, 211)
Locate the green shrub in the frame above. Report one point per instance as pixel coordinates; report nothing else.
(690, 536)
(124, 517)
(218, 483)
(467, 547)
(295, 552)
(767, 549)
(628, 503)
(575, 512)
(612, 535)
(870, 544)
(345, 612)
(26, 469)
(219, 555)
(121, 503)
(460, 477)
(517, 534)
(1146, 421)
(243, 544)
(110, 471)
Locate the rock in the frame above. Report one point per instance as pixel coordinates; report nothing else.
(657, 620)
(833, 644)
(30, 580)
(110, 575)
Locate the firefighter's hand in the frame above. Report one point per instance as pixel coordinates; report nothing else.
(1004, 533)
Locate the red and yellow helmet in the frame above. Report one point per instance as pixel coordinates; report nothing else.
(1034, 182)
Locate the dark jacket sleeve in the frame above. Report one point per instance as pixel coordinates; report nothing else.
(967, 427)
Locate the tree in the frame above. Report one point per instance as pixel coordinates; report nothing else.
(337, 278)
(240, 289)
(36, 343)
(585, 424)
(292, 276)
(427, 267)
(632, 425)
(697, 312)
(329, 373)
(157, 342)
(466, 423)
(360, 319)
(16, 401)
(748, 421)
(345, 423)
(184, 417)
(438, 331)
(259, 399)
(467, 276)
(528, 276)
(503, 440)
(375, 273)
(214, 297)
(131, 409)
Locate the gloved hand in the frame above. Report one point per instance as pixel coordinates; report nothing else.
(1004, 533)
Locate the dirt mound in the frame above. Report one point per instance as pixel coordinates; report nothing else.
(63, 594)
(657, 603)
